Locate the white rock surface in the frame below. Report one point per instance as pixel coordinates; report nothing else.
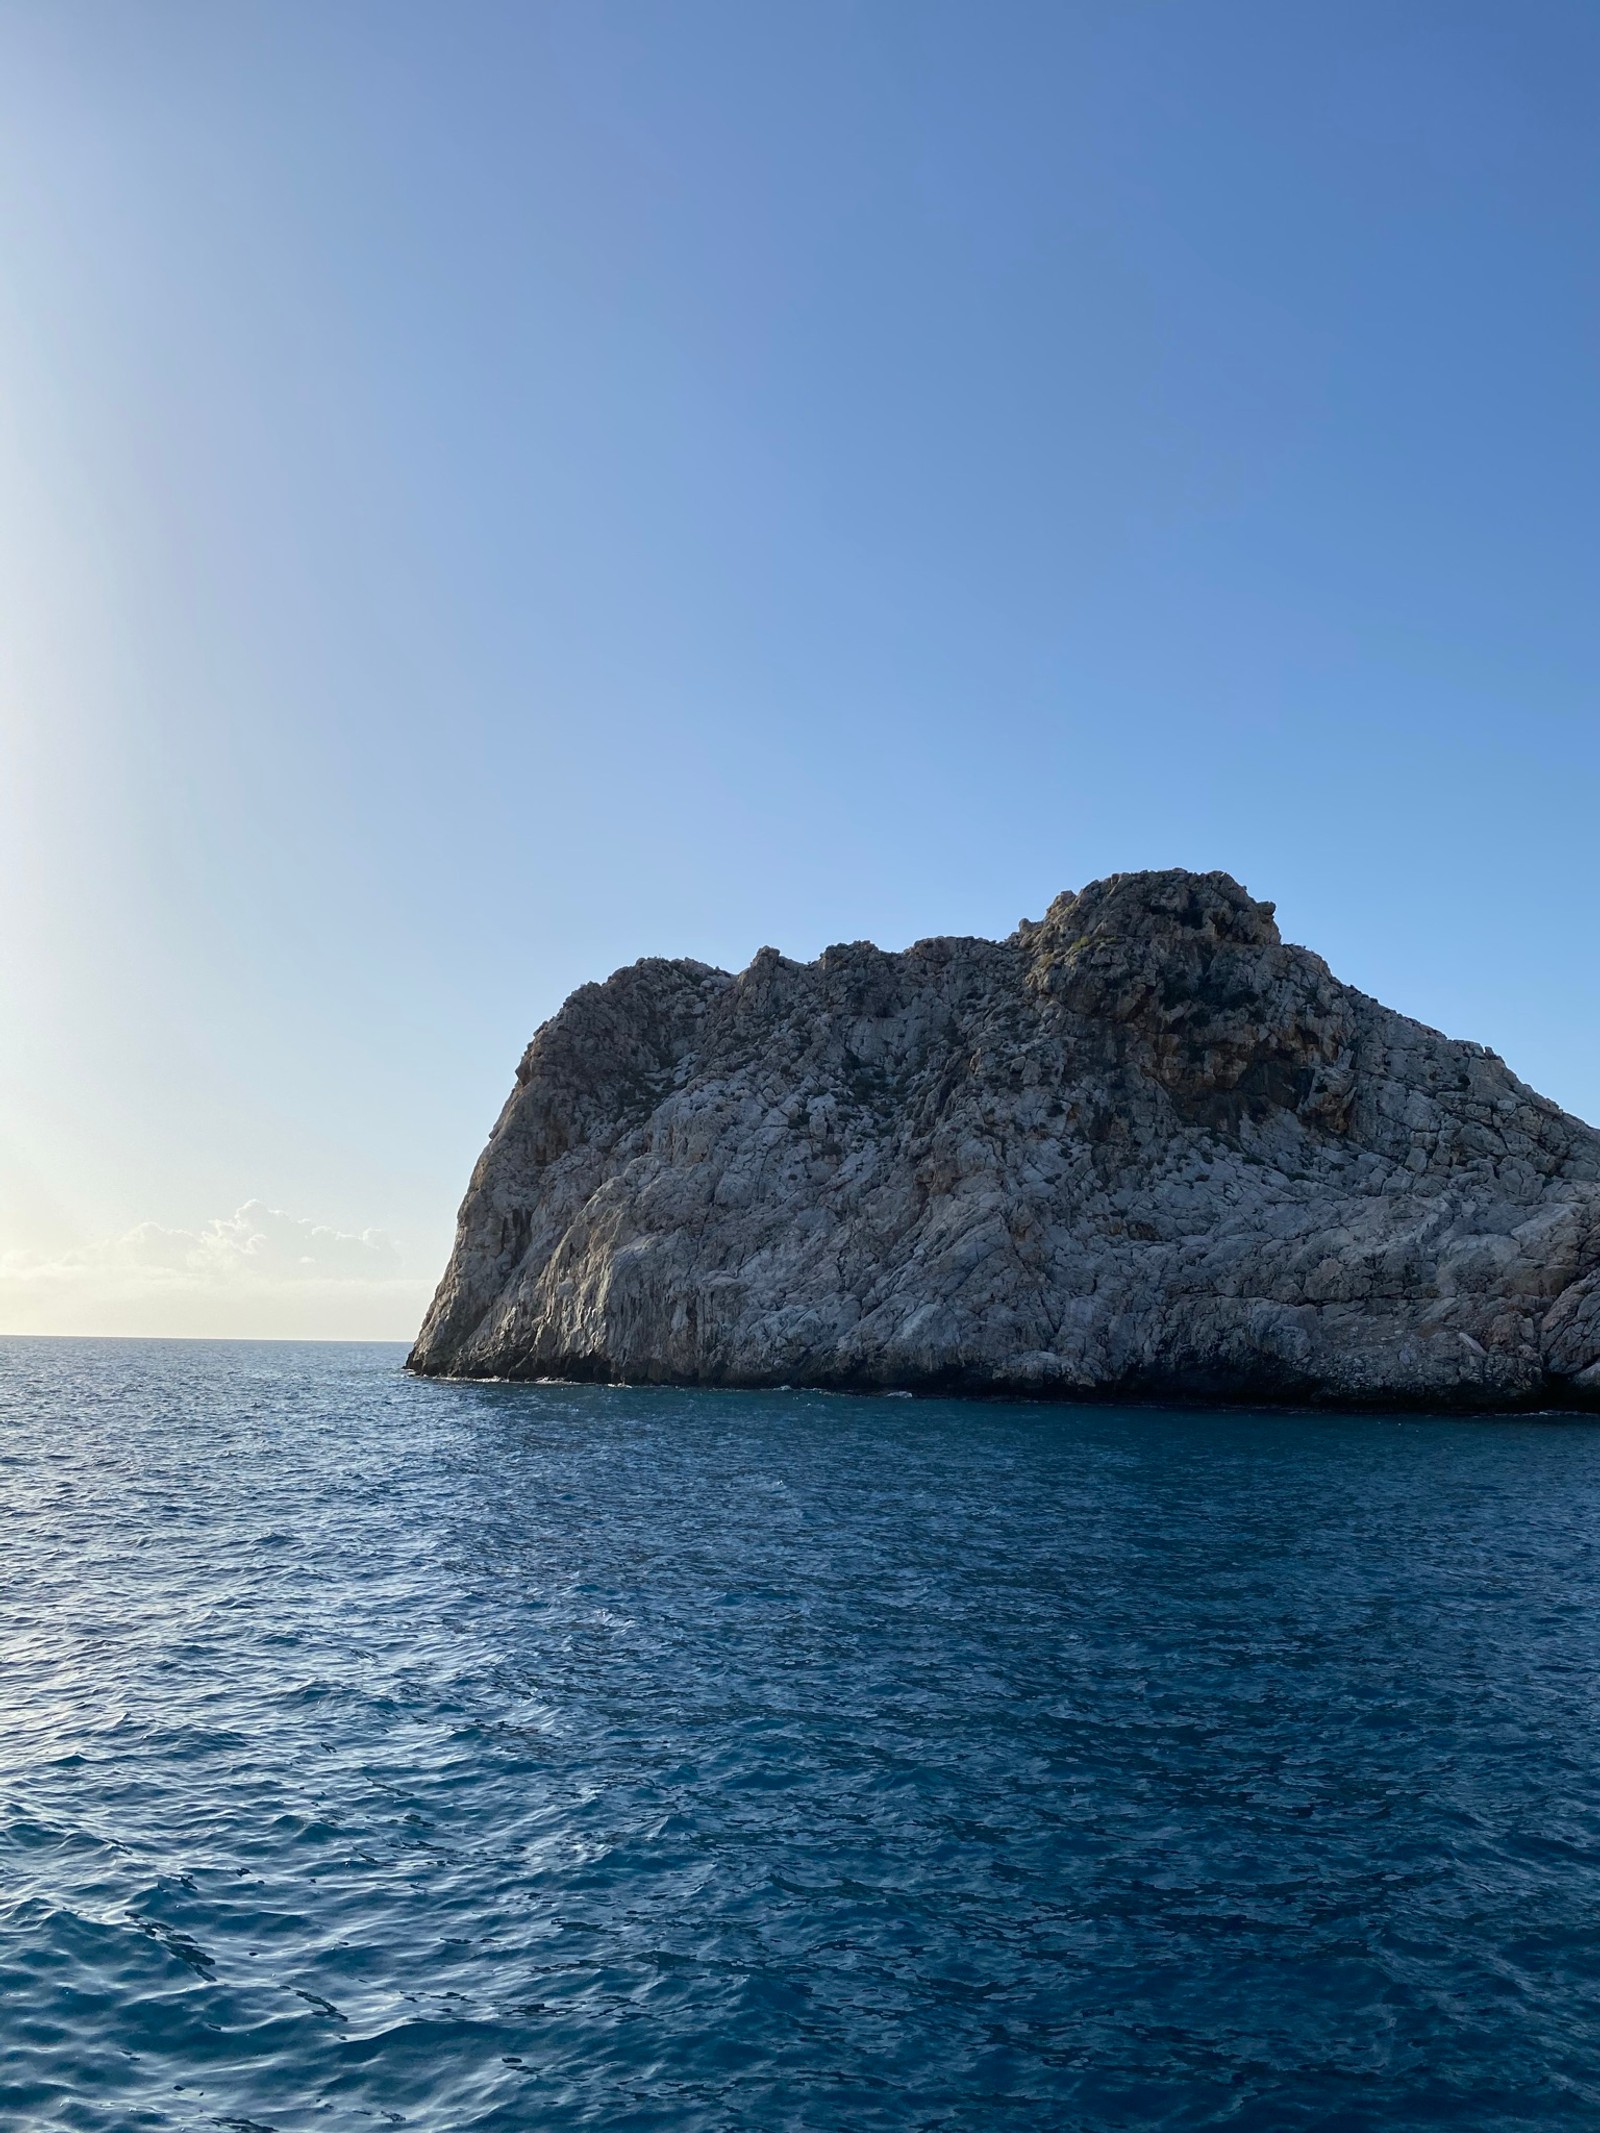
(1142, 1148)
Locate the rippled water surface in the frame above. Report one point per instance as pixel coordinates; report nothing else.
(384, 1753)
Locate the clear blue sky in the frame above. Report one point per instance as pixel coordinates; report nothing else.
(488, 491)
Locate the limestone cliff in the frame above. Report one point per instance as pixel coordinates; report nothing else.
(1140, 1148)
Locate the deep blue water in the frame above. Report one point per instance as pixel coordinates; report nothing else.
(382, 1753)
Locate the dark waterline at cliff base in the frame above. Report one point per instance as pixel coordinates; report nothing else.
(385, 1752)
(1553, 1400)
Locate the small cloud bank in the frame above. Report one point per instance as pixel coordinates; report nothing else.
(258, 1272)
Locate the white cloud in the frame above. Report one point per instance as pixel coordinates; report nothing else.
(257, 1271)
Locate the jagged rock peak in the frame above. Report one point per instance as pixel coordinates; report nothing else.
(1142, 1147)
(1152, 906)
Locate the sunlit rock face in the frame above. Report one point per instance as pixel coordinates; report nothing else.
(1140, 1149)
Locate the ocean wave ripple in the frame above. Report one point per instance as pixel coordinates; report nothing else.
(382, 1753)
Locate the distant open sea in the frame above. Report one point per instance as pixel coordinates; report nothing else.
(383, 1753)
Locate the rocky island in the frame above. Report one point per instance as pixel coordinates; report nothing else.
(1140, 1149)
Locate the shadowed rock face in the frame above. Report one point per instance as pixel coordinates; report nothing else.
(1139, 1148)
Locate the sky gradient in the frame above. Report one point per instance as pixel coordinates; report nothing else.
(491, 491)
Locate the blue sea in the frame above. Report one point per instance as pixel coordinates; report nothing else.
(380, 1753)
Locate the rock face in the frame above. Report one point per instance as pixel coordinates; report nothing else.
(1141, 1148)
